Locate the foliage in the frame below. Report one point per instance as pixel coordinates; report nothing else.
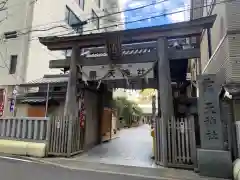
(126, 108)
(146, 95)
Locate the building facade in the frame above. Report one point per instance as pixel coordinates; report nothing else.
(219, 45)
(220, 56)
(22, 57)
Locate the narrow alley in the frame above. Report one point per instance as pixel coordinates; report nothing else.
(132, 147)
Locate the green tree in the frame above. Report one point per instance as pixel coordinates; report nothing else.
(126, 108)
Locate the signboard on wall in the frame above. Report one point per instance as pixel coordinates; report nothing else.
(209, 113)
(132, 70)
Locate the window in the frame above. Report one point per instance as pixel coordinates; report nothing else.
(98, 3)
(208, 5)
(95, 19)
(82, 4)
(13, 64)
(73, 20)
(57, 88)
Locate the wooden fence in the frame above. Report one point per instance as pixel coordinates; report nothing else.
(24, 128)
(66, 137)
(181, 142)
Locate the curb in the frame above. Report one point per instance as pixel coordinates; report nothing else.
(22, 148)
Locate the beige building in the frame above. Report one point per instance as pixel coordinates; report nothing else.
(22, 57)
(220, 45)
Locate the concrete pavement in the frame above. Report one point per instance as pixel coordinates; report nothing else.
(132, 148)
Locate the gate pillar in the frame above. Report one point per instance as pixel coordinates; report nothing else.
(165, 102)
(213, 159)
(71, 95)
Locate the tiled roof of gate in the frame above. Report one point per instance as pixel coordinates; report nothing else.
(124, 53)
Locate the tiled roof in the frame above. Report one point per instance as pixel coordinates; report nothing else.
(125, 52)
(48, 80)
(34, 100)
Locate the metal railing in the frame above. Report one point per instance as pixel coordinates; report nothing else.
(24, 128)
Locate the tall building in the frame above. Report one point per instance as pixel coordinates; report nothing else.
(22, 57)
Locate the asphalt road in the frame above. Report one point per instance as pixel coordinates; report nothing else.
(12, 169)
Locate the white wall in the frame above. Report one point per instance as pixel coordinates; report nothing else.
(39, 56)
(16, 19)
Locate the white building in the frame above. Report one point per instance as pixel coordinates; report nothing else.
(23, 58)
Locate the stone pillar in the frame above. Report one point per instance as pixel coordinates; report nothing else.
(165, 100)
(212, 159)
(71, 95)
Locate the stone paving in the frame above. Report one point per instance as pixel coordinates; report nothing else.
(132, 148)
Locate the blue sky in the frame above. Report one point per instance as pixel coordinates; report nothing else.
(154, 10)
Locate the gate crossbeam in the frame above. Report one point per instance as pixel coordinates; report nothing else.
(171, 31)
(99, 59)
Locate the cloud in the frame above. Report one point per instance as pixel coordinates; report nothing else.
(135, 4)
(181, 16)
(158, 9)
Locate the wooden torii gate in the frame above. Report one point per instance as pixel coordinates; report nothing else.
(114, 43)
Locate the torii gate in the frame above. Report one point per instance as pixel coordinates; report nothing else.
(114, 43)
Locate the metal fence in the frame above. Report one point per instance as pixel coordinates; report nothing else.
(181, 142)
(66, 136)
(24, 128)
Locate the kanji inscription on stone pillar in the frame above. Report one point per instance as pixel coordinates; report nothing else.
(209, 113)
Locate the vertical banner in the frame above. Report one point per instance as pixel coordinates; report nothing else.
(2, 100)
(13, 99)
(82, 109)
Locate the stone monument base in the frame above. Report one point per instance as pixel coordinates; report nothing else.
(214, 163)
